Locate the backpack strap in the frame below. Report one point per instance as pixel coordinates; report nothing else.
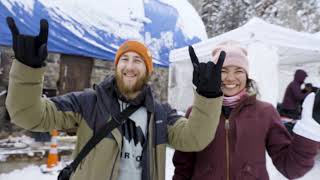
(116, 121)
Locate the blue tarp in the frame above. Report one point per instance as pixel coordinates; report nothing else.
(99, 42)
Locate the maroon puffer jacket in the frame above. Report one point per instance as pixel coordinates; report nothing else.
(238, 150)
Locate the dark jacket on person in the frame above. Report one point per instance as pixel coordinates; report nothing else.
(294, 95)
(89, 110)
(238, 151)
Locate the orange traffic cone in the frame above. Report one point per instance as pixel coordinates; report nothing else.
(53, 158)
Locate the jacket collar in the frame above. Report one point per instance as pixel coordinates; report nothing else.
(246, 100)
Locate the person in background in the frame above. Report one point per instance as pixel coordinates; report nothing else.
(308, 88)
(135, 150)
(290, 106)
(248, 128)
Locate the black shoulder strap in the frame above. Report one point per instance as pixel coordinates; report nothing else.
(103, 132)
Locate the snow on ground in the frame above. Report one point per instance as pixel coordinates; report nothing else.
(27, 145)
(30, 172)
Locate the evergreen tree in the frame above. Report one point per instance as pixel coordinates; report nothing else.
(221, 16)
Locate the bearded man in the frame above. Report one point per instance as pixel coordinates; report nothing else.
(136, 149)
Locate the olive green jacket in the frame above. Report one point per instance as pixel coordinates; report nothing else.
(90, 109)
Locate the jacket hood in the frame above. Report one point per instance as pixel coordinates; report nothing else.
(300, 76)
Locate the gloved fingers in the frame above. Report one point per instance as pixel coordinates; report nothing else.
(220, 62)
(44, 31)
(19, 51)
(43, 52)
(209, 70)
(193, 57)
(12, 26)
(195, 78)
(202, 75)
(28, 46)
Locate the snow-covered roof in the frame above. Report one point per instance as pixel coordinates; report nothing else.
(96, 28)
(293, 46)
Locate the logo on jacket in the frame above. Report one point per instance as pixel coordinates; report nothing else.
(132, 132)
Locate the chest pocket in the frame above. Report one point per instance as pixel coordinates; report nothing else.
(160, 125)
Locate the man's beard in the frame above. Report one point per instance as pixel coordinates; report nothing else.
(129, 91)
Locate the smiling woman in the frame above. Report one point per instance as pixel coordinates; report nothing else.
(248, 127)
(235, 72)
(233, 80)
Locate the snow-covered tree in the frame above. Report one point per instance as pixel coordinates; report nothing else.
(221, 16)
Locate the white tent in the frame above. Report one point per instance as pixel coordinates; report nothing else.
(274, 54)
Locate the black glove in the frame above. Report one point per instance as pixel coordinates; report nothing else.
(316, 107)
(29, 50)
(207, 76)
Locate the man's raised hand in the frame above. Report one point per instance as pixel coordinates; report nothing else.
(207, 76)
(30, 50)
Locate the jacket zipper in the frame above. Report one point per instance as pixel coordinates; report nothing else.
(151, 153)
(122, 106)
(114, 163)
(227, 127)
(151, 162)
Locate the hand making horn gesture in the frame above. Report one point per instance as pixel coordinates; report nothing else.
(207, 76)
(29, 50)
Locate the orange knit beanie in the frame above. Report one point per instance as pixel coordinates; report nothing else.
(139, 48)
